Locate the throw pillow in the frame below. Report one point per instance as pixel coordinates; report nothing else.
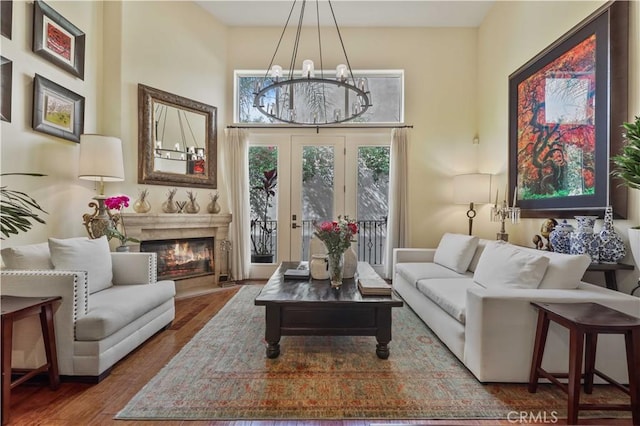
(476, 256)
(455, 251)
(564, 271)
(32, 256)
(83, 254)
(503, 265)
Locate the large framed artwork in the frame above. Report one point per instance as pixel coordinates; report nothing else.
(57, 111)
(58, 40)
(566, 107)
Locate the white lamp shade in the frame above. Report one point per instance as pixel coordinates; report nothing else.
(472, 188)
(101, 158)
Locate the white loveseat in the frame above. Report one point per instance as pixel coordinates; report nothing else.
(475, 295)
(111, 303)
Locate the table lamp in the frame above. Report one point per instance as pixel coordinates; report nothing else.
(472, 188)
(100, 161)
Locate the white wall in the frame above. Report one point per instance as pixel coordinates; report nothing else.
(25, 150)
(511, 34)
(172, 46)
(168, 45)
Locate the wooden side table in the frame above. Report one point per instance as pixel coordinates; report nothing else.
(609, 270)
(587, 320)
(14, 308)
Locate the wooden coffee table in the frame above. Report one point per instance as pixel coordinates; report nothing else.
(313, 308)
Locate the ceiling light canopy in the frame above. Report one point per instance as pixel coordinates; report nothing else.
(310, 97)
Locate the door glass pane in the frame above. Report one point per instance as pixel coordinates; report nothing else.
(317, 190)
(263, 198)
(373, 202)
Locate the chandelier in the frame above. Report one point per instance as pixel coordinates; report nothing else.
(310, 97)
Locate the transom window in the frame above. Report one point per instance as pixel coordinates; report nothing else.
(386, 88)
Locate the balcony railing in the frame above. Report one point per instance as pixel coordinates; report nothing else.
(371, 239)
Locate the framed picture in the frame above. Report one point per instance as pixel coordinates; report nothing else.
(57, 111)
(6, 18)
(58, 40)
(6, 78)
(566, 108)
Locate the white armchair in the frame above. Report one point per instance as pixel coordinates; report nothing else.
(95, 326)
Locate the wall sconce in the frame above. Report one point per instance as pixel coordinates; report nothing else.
(101, 161)
(472, 188)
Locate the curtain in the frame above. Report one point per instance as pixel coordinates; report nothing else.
(235, 169)
(398, 220)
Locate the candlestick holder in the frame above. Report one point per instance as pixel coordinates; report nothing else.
(502, 214)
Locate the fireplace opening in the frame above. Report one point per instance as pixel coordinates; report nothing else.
(182, 258)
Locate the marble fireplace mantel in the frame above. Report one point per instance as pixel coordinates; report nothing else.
(165, 226)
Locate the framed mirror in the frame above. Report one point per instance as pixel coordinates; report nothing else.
(177, 140)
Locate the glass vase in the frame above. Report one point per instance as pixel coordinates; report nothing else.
(141, 206)
(336, 269)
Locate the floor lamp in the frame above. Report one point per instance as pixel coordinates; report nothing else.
(100, 161)
(471, 189)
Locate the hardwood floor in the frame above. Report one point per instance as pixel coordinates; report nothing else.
(97, 404)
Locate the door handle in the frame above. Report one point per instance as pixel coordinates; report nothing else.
(294, 225)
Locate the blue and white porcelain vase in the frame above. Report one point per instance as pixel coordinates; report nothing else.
(612, 248)
(560, 237)
(583, 240)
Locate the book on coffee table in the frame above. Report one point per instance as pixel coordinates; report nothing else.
(296, 274)
(374, 287)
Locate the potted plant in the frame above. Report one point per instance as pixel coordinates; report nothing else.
(17, 209)
(628, 170)
(119, 203)
(261, 232)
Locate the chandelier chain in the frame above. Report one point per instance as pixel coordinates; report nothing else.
(324, 93)
(294, 55)
(284, 29)
(344, 50)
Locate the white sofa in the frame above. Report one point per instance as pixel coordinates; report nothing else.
(111, 303)
(475, 296)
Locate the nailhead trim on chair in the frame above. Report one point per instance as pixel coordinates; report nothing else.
(153, 268)
(53, 273)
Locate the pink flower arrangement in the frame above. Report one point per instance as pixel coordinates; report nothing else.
(119, 202)
(337, 235)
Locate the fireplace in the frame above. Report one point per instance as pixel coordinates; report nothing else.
(171, 229)
(182, 258)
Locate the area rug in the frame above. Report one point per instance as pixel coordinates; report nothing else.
(224, 374)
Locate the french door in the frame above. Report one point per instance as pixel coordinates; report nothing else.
(319, 178)
(317, 187)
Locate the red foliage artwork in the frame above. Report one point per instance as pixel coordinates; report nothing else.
(556, 126)
(59, 42)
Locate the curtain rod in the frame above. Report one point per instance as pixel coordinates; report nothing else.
(404, 126)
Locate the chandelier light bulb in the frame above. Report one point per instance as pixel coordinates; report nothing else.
(341, 72)
(307, 68)
(276, 72)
